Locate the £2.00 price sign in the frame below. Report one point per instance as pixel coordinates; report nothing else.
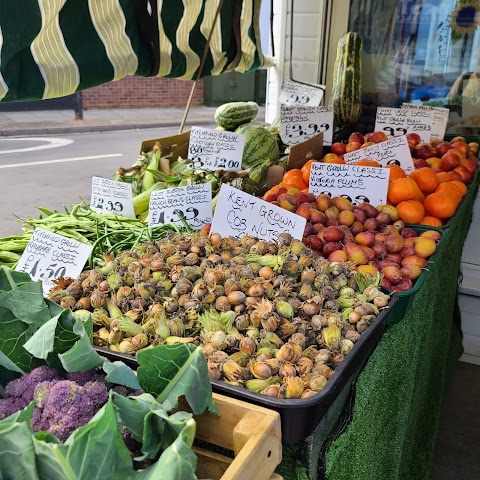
(215, 150)
(49, 256)
(194, 203)
(113, 198)
(298, 124)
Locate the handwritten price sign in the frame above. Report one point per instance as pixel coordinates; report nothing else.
(49, 256)
(237, 214)
(391, 152)
(193, 202)
(298, 124)
(439, 118)
(357, 184)
(295, 93)
(216, 150)
(400, 121)
(114, 198)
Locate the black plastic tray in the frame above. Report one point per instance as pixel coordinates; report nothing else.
(300, 417)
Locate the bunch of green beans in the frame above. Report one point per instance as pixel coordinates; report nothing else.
(107, 233)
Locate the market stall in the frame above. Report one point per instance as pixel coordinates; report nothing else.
(259, 300)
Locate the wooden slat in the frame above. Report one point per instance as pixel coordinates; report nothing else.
(211, 465)
(219, 429)
(253, 433)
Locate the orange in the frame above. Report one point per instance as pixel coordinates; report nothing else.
(444, 177)
(411, 211)
(396, 172)
(431, 221)
(440, 205)
(426, 179)
(461, 186)
(295, 172)
(367, 163)
(450, 189)
(403, 189)
(294, 181)
(306, 170)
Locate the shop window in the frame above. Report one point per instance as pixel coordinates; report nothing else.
(425, 52)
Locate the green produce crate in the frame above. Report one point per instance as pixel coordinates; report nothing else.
(397, 313)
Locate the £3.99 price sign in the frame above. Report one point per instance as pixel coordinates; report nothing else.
(49, 256)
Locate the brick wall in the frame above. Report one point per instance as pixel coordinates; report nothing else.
(141, 92)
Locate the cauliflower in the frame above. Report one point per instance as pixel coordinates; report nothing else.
(63, 402)
(65, 405)
(24, 387)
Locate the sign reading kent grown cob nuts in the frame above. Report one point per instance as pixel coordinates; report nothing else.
(237, 214)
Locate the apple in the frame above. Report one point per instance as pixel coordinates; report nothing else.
(338, 148)
(474, 147)
(464, 173)
(329, 156)
(420, 163)
(377, 137)
(367, 144)
(438, 170)
(424, 151)
(471, 165)
(461, 146)
(449, 161)
(413, 138)
(352, 146)
(456, 176)
(433, 162)
(356, 137)
(442, 148)
(458, 139)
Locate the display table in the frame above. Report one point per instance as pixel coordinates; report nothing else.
(398, 396)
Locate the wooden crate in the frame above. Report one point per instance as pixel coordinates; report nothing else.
(253, 433)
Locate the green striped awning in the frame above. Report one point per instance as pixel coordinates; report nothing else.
(52, 48)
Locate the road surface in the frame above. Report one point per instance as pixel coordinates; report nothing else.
(52, 171)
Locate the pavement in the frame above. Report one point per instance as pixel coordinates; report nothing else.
(50, 122)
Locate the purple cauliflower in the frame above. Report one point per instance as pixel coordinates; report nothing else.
(10, 405)
(81, 378)
(24, 387)
(66, 406)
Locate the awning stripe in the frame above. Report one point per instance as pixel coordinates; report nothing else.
(63, 46)
(192, 9)
(3, 85)
(247, 45)
(113, 36)
(165, 46)
(57, 66)
(218, 55)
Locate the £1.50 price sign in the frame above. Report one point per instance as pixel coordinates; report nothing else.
(194, 203)
(113, 198)
(298, 124)
(49, 256)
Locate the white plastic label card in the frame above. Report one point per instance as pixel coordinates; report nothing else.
(440, 118)
(356, 183)
(111, 197)
(215, 150)
(395, 122)
(391, 152)
(299, 123)
(49, 256)
(237, 214)
(193, 202)
(296, 93)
